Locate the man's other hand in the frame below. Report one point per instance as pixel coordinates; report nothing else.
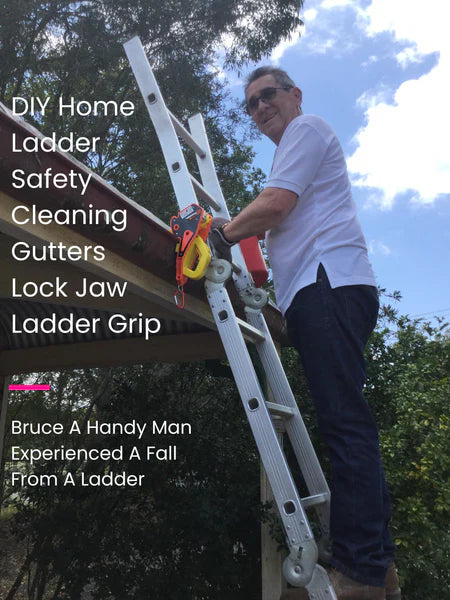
(217, 238)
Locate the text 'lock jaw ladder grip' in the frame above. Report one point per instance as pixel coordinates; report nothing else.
(300, 567)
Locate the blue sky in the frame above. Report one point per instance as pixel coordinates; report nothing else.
(378, 72)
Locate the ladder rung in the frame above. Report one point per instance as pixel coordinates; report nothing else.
(203, 194)
(249, 332)
(279, 409)
(186, 136)
(314, 500)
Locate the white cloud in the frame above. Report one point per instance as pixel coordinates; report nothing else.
(407, 20)
(310, 14)
(325, 27)
(320, 32)
(376, 247)
(336, 3)
(283, 46)
(319, 45)
(383, 94)
(409, 55)
(403, 146)
(373, 58)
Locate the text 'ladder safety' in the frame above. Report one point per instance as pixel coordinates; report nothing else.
(300, 568)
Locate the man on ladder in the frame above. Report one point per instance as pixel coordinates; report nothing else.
(326, 289)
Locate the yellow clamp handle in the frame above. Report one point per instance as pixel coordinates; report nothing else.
(198, 249)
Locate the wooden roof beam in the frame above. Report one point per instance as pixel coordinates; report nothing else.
(114, 267)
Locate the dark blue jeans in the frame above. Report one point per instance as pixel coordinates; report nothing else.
(330, 328)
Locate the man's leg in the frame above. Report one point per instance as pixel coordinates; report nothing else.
(329, 328)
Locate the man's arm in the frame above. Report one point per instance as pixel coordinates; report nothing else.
(268, 209)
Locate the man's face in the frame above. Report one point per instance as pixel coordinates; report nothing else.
(272, 117)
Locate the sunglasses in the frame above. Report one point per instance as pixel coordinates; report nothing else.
(266, 95)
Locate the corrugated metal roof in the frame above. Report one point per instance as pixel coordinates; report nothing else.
(23, 310)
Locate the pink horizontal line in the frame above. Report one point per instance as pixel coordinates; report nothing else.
(28, 387)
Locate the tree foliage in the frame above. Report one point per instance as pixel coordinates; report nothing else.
(62, 48)
(191, 529)
(408, 386)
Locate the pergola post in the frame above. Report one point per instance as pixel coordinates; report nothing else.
(4, 386)
(273, 582)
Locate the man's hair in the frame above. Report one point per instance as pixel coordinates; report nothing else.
(280, 76)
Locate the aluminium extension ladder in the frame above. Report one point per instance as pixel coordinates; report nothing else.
(300, 568)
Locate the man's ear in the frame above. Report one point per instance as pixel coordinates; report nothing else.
(298, 94)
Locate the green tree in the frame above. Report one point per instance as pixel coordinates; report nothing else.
(192, 528)
(408, 387)
(61, 48)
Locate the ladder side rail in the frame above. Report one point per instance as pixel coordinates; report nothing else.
(154, 101)
(295, 427)
(320, 588)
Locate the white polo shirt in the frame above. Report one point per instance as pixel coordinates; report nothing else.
(323, 226)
